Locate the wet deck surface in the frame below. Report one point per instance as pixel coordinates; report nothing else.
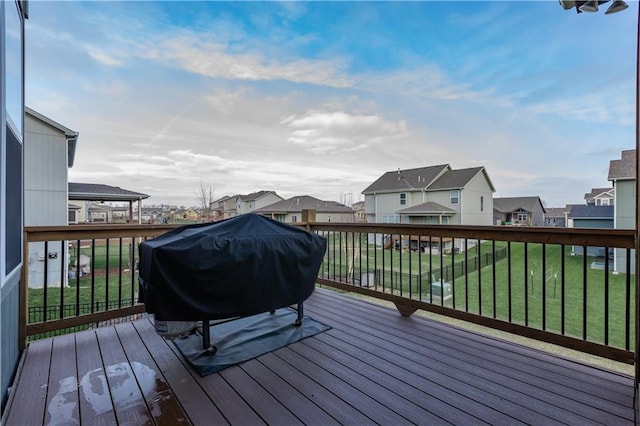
(372, 367)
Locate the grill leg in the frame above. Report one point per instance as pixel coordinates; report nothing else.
(298, 322)
(206, 338)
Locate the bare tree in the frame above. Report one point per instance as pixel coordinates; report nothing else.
(204, 198)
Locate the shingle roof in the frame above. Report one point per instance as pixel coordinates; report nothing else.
(304, 202)
(556, 211)
(101, 192)
(427, 208)
(512, 204)
(625, 168)
(595, 192)
(456, 179)
(255, 195)
(411, 179)
(590, 211)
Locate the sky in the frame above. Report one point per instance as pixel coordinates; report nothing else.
(322, 98)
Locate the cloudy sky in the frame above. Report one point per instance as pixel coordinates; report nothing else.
(321, 98)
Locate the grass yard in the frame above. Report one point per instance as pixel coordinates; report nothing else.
(517, 294)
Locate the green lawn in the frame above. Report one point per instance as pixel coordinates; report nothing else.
(400, 272)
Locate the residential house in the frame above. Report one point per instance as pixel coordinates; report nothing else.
(185, 215)
(256, 200)
(12, 21)
(600, 196)
(100, 213)
(290, 210)
(82, 194)
(224, 208)
(431, 195)
(518, 211)
(49, 151)
(556, 216)
(622, 174)
(590, 216)
(358, 208)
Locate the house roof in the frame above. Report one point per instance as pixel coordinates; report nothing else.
(458, 179)
(590, 211)
(427, 208)
(101, 192)
(432, 178)
(625, 167)
(512, 204)
(256, 195)
(556, 211)
(596, 192)
(411, 179)
(71, 135)
(304, 202)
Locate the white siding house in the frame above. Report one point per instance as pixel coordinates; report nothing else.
(49, 150)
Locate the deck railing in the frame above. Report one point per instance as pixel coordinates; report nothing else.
(572, 287)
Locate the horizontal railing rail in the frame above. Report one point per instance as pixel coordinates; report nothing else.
(567, 286)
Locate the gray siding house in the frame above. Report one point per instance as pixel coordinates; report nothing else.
(518, 211)
(623, 177)
(590, 216)
(431, 195)
(290, 210)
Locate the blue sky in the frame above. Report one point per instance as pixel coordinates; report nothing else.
(321, 98)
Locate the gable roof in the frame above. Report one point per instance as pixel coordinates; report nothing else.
(582, 211)
(72, 136)
(257, 195)
(596, 192)
(625, 167)
(427, 208)
(512, 204)
(458, 179)
(304, 202)
(556, 211)
(100, 192)
(407, 180)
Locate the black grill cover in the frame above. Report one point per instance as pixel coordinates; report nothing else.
(241, 266)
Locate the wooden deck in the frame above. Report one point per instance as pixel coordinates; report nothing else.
(372, 367)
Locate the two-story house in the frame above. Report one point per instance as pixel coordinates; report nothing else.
(622, 174)
(600, 197)
(256, 200)
(518, 211)
(49, 151)
(431, 195)
(290, 210)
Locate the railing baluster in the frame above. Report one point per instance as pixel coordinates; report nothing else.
(493, 274)
(106, 274)
(120, 272)
(606, 296)
(45, 284)
(509, 282)
(466, 275)
(92, 262)
(627, 316)
(544, 286)
(584, 292)
(563, 290)
(526, 284)
(479, 266)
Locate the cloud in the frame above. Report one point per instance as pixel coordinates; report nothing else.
(333, 132)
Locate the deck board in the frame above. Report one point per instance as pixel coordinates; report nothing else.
(372, 367)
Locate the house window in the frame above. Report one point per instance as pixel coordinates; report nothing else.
(294, 218)
(403, 199)
(481, 203)
(454, 197)
(522, 217)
